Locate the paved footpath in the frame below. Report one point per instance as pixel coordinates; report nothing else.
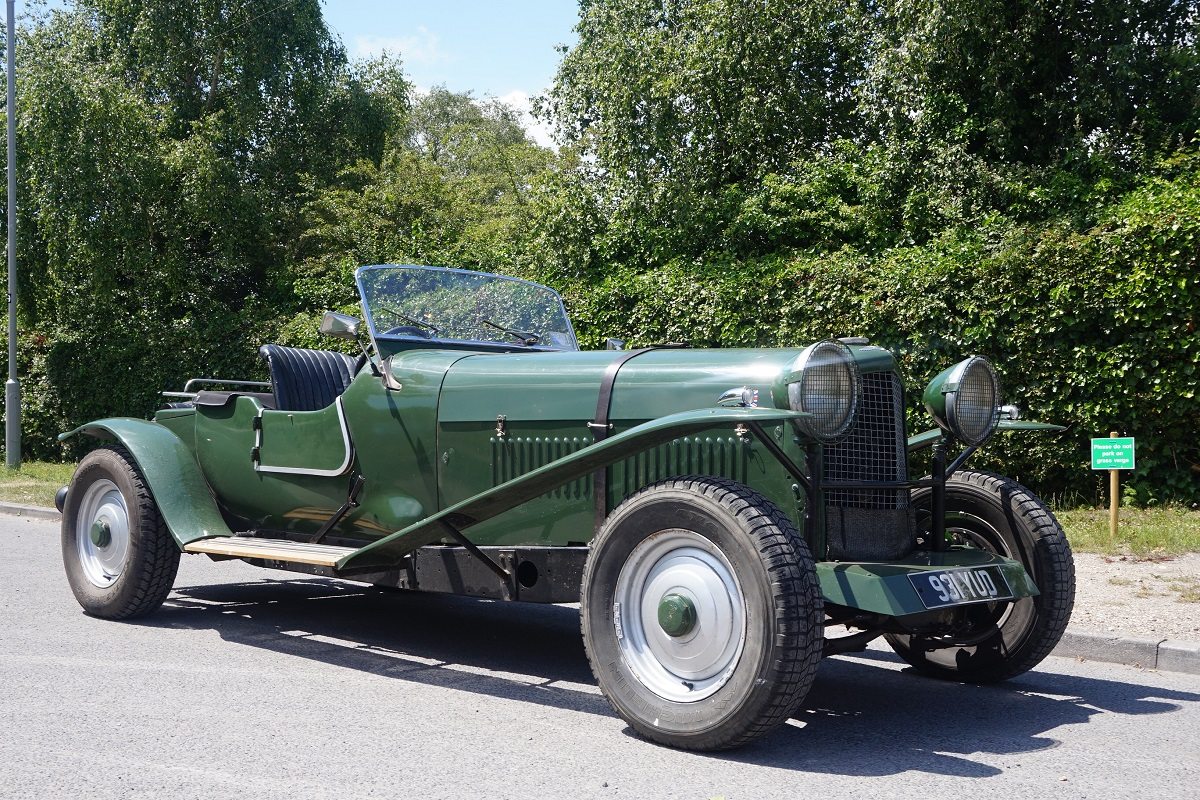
(252, 683)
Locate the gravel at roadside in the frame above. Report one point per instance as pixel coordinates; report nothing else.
(1150, 598)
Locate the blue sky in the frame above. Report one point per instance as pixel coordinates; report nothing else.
(493, 49)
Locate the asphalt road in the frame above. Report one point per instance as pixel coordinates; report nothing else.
(251, 683)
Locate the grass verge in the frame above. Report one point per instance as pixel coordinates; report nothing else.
(34, 483)
(1141, 532)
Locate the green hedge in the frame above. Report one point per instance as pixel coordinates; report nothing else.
(1095, 328)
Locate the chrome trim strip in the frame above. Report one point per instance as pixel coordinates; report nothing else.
(346, 443)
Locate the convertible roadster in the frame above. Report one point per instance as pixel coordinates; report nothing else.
(724, 517)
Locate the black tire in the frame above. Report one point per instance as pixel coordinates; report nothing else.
(998, 641)
(714, 522)
(131, 574)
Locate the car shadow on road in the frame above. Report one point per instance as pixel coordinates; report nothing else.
(521, 651)
(941, 727)
(533, 653)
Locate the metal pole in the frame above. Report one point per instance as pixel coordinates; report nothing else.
(12, 387)
(1114, 498)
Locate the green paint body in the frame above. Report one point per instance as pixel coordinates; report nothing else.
(934, 396)
(471, 514)
(495, 444)
(884, 588)
(304, 440)
(926, 438)
(172, 475)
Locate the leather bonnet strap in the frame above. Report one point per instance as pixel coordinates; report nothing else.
(601, 427)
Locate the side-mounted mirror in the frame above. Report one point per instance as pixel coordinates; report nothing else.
(614, 344)
(340, 326)
(344, 326)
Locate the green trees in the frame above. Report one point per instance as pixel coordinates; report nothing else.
(1017, 179)
(163, 150)
(450, 188)
(702, 115)
(681, 103)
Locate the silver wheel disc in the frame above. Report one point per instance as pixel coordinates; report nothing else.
(102, 533)
(682, 568)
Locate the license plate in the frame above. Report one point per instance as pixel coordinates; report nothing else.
(954, 587)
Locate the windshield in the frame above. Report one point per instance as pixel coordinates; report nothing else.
(409, 303)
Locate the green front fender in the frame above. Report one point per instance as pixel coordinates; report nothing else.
(484, 506)
(926, 438)
(171, 472)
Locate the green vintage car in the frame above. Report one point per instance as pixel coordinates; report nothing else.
(725, 518)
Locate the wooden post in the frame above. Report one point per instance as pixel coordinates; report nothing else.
(1114, 499)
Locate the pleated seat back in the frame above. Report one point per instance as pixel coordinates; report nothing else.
(307, 380)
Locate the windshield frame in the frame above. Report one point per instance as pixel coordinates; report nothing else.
(388, 345)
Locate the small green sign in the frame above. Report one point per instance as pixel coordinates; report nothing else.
(1112, 453)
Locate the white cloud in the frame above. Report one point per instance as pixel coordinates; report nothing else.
(538, 130)
(422, 48)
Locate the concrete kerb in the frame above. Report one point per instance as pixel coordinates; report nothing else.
(36, 512)
(1161, 654)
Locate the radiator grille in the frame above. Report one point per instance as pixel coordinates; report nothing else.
(871, 524)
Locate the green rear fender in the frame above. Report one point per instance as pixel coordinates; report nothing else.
(184, 499)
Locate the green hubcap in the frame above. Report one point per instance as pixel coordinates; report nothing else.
(100, 534)
(676, 615)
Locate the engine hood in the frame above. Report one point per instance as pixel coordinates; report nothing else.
(564, 386)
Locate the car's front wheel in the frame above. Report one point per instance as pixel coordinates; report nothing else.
(119, 557)
(994, 641)
(701, 613)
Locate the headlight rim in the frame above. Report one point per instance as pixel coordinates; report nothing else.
(795, 391)
(947, 385)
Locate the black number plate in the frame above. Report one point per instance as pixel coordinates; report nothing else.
(955, 587)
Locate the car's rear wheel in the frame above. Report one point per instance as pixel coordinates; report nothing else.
(701, 613)
(990, 642)
(119, 558)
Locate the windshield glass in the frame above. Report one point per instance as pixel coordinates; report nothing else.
(408, 302)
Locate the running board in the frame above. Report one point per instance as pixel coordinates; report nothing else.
(322, 555)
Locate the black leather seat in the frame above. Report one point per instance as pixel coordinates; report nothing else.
(307, 380)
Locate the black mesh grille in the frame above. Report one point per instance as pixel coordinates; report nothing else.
(871, 524)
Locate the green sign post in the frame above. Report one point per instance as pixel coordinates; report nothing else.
(1113, 454)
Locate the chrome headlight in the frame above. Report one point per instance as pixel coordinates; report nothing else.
(825, 383)
(964, 400)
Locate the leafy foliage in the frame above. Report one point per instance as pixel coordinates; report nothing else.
(1015, 179)
(1008, 178)
(1095, 328)
(156, 196)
